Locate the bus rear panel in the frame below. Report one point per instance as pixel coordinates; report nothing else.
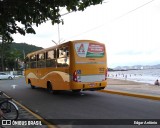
(89, 69)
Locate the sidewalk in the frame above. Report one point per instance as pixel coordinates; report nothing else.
(24, 116)
(137, 89)
(152, 90)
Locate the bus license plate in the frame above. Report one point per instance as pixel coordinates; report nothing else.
(92, 84)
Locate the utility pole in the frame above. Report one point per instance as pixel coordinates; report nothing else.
(58, 35)
(24, 55)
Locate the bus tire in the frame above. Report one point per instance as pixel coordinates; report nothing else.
(49, 87)
(76, 91)
(33, 87)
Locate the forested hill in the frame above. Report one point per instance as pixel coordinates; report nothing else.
(23, 48)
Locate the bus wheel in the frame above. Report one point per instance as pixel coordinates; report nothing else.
(49, 87)
(33, 87)
(76, 91)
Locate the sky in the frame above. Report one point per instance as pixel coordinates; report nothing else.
(129, 28)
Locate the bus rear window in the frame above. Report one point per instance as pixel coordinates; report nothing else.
(89, 50)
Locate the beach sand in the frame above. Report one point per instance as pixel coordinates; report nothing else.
(122, 82)
(132, 87)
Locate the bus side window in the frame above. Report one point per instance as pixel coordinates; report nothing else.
(33, 61)
(50, 60)
(33, 58)
(67, 53)
(42, 56)
(27, 63)
(41, 60)
(37, 57)
(63, 58)
(46, 55)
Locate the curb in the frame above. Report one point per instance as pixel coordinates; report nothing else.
(49, 125)
(131, 94)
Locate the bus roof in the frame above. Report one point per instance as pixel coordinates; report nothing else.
(56, 46)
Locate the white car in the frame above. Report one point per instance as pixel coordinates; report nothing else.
(3, 75)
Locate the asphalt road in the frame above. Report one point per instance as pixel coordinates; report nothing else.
(85, 105)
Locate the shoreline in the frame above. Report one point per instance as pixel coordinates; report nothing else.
(112, 81)
(126, 87)
(138, 76)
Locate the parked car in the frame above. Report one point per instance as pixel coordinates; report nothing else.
(3, 75)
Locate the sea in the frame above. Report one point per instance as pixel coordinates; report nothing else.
(143, 76)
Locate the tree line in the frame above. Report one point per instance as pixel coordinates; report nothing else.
(19, 16)
(13, 55)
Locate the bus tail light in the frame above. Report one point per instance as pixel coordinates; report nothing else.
(75, 76)
(106, 74)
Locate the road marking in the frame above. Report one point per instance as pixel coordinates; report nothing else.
(34, 114)
(132, 94)
(14, 86)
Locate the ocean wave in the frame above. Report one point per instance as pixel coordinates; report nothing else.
(144, 76)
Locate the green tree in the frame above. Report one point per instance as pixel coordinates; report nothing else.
(29, 12)
(4, 47)
(11, 59)
(23, 49)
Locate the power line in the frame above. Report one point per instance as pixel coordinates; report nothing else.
(134, 9)
(114, 19)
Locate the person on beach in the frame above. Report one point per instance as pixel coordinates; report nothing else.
(156, 83)
(125, 77)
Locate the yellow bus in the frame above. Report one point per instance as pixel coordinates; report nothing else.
(75, 65)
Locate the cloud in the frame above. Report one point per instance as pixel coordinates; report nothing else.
(133, 59)
(131, 34)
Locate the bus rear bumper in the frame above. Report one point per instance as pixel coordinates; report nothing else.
(92, 86)
(93, 89)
